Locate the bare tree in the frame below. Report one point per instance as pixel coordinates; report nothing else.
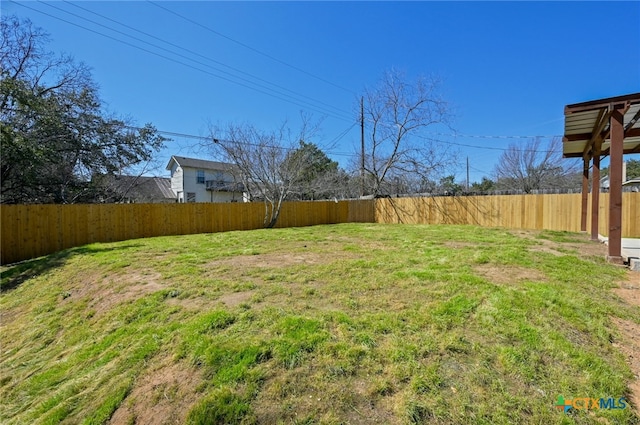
(534, 165)
(397, 113)
(24, 60)
(269, 172)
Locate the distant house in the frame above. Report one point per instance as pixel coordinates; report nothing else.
(632, 185)
(199, 180)
(136, 189)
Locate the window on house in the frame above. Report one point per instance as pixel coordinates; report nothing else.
(200, 177)
(191, 197)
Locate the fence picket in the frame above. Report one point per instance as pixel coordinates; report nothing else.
(30, 231)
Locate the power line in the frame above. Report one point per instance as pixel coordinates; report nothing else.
(295, 102)
(472, 136)
(252, 48)
(207, 72)
(329, 152)
(253, 88)
(341, 135)
(478, 170)
(193, 60)
(487, 137)
(423, 136)
(216, 140)
(337, 138)
(193, 53)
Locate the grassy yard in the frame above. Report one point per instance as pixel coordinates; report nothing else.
(356, 323)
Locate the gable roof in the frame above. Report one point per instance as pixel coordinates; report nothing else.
(202, 164)
(141, 188)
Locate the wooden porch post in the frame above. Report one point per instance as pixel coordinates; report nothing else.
(615, 183)
(595, 196)
(585, 194)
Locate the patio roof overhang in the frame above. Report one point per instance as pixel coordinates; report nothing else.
(594, 129)
(587, 127)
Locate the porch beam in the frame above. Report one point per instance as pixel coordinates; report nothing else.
(630, 132)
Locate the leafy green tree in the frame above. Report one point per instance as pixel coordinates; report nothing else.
(633, 169)
(449, 186)
(54, 133)
(486, 185)
(318, 176)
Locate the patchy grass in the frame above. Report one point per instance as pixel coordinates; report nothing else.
(356, 323)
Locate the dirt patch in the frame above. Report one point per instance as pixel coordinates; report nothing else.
(630, 348)
(271, 260)
(586, 249)
(502, 275)
(548, 248)
(192, 304)
(232, 299)
(459, 245)
(629, 291)
(584, 246)
(590, 248)
(104, 293)
(163, 396)
(295, 397)
(236, 298)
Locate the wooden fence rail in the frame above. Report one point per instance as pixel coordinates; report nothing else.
(551, 212)
(29, 231)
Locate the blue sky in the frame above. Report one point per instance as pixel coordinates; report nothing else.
(507, 68)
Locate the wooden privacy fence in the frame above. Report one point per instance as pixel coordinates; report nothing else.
(29, 231)
(550, 212)
(630, 214)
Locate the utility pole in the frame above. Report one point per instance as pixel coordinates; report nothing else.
(362, 146)
(467, 173)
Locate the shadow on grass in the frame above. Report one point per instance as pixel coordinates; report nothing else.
(12, 275)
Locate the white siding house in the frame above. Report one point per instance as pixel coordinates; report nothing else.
(199, 180)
